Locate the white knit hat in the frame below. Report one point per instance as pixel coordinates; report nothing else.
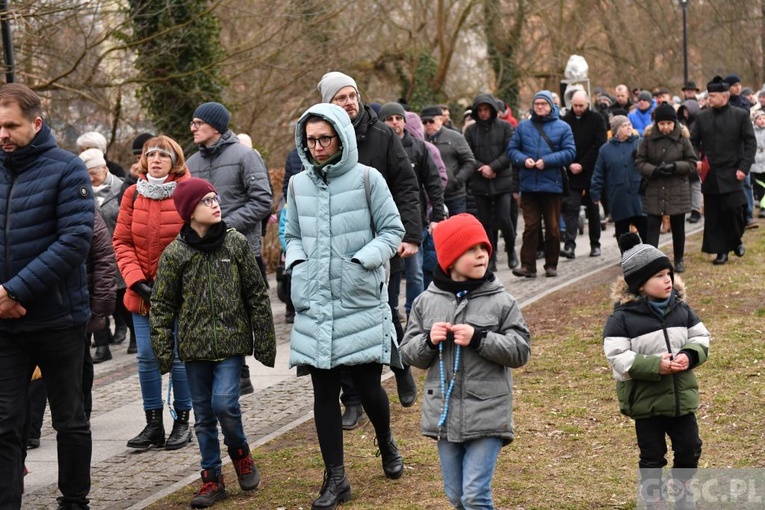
(93, 158)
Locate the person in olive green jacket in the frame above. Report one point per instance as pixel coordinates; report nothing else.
(208, 278)
(653, 340)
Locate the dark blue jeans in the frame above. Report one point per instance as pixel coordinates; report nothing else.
(59, 355)
(214, 387)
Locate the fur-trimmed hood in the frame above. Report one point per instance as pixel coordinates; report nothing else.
(621, 295)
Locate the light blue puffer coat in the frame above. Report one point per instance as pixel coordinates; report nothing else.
(339, 287)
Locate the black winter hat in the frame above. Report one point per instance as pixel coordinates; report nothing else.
(430, 111)
(139, 140)
(664, 112)
(641, 261)
(718, 85)
(214, 114)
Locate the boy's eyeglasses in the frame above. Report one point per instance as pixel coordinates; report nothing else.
(210, 201)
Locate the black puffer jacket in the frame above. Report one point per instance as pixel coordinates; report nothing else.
(488, 140)
(380, 148)
(427, 176)
(589, 135)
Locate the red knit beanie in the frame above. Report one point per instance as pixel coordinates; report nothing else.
(455, 236)
(187, 195)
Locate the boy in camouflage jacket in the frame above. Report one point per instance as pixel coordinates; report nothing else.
(208, 278)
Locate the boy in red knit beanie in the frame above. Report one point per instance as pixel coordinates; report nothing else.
(467, 332)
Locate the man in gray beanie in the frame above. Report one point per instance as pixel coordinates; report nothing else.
(239, 175)
(380, 148)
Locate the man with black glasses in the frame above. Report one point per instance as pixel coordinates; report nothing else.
(380, 148)
(240, 177)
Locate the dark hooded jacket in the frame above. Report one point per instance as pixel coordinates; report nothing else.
(589, 136)
(488, 140)
(427, 176)
(379, 147)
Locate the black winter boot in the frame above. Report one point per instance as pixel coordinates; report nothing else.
(102, 354)
(335, 489)
(392, 462)
(180, 436)
(213, 489)
(120, 329)
(132, 347)
(153, 434)
(246, 472)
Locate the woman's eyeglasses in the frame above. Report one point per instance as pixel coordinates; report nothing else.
(324, 141)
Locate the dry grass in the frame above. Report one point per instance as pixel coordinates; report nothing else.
(573, 449)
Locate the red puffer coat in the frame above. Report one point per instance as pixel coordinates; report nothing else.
(145, 226)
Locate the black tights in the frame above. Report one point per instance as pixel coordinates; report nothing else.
(676, 224)
(326, 406)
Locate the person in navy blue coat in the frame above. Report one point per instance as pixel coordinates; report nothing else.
(46, 209)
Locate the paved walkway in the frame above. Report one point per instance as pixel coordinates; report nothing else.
(125, 479)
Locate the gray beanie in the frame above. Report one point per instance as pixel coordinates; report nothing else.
(332, 82)
(618, 121)
(389, 109)
(645, 96)
(214, 114)
(641, 261)
(93, 158)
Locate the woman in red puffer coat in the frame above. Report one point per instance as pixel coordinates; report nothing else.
(146, 224)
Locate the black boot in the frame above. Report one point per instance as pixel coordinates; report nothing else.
(334, 490)
(246, 472)
(153, 434)
(120, 329)
(392, 462)
(102, 354)
(180, 436)
(132, 347)
(407, 388)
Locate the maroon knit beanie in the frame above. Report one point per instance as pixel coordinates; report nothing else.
(457, 235)
(187, 195)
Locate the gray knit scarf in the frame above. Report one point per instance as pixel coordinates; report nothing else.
(155, 191)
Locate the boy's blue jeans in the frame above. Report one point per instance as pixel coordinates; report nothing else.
(467, 469)
(148, 371)
(413, 269)
(214, 389)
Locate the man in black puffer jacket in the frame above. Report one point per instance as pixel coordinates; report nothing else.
(492, 183)
(380, 148)
(46, 209)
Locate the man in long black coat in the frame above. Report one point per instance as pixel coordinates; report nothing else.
(724, 136)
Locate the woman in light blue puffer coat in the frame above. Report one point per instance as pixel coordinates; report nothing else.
(342, 227)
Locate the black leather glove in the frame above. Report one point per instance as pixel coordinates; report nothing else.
(143, 289)
(665, 170)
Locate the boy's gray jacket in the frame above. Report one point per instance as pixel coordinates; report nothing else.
(635, 338)
(338, 278)
(481, 403)
(219, 300)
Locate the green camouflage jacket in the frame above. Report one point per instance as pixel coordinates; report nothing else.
(219, 299)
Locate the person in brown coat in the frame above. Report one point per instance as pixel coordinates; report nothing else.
(667, 160)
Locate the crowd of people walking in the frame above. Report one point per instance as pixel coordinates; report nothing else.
(374, 194)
